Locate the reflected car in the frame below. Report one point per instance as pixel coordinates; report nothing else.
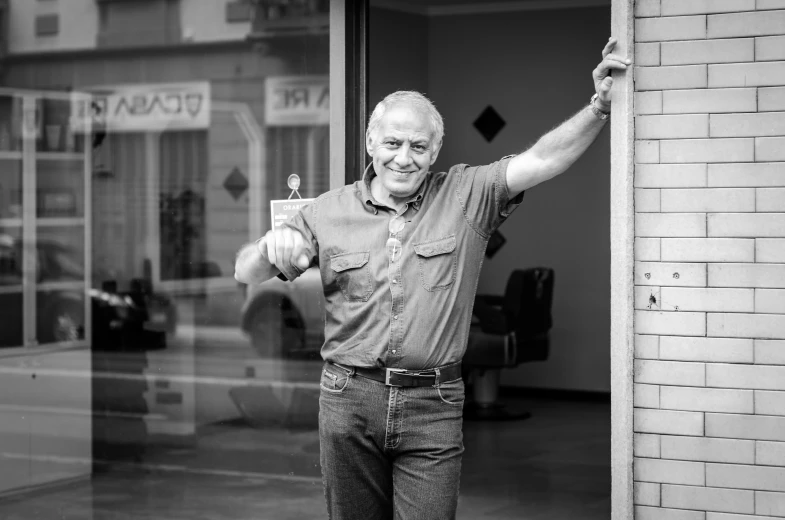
(285, 320)
(137, 320)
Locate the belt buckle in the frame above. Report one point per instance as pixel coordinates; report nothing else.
(388, 372)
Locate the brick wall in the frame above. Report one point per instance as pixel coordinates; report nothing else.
(709, 391)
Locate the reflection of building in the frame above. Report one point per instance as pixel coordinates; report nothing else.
(175, 193)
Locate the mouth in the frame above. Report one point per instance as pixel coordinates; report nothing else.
(400, 173)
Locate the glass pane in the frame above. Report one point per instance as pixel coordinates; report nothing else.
(150, 155)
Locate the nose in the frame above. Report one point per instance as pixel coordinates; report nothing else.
(403, 158)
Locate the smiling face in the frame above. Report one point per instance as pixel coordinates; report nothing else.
(403, 150)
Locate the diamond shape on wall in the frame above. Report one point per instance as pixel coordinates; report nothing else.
(236, 183)
(489, 123)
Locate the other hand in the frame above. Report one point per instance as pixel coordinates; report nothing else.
(602, 74)
(285, 249)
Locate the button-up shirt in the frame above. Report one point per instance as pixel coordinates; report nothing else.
(413, 312)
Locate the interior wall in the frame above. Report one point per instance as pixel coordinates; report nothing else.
(534, 68)
(399, 54)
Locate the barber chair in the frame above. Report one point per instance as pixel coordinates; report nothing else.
(506, 331)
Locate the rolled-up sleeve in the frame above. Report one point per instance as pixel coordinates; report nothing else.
(484, 197)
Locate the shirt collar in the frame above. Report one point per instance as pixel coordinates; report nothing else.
(371, 202)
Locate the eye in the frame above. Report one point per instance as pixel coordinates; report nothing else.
(419, 147)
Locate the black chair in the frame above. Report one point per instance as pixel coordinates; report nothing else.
(505, 332)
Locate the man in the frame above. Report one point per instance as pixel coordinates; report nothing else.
(400, 254)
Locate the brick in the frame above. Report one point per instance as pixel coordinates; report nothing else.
(644, 8)
(751, 225)
(646, 494)
(672, 126)
(644, 295)
(658, 513)
(707, 150)
(771, 48)
(770, 276)
(767, 503)
(753, 377)
(645, 396)
(647, 249)
(707, 200)
(768, 148)
(746, 174)
(737, 426)
(646, 445)
(672, 175)
(763, 326)
(705, 400)
(770, 250)
(740, 476)
(669, 322)
(708, 299)
(747, 125)
(647, 54)
(769, 403)
(770, 99)
(769, 352)
(709, 101)
(670, 225)
(676, 274)
(647, 151)
(714, 350)
(769, 4)
(729, 516)
(760, 74)
(649, 102)
(669, 373)
(669, 78)
(646, 347)
(707, 249)
(647, 201)
(708, 499)
(707, 51)
(669, 471)
(770, 301)
(745, 24)
(704, 449)
(680, 7)
(769, 453)
(770, 199)
(672, 28)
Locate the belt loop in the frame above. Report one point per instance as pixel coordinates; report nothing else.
(436, 385)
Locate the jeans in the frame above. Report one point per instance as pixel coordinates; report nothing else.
(389, 452)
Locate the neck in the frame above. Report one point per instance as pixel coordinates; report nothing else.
(385, 197)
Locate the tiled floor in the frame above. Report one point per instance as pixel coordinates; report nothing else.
(555, 465)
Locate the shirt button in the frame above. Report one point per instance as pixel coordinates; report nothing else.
(395, 317)
(395, 281)
(394, 351)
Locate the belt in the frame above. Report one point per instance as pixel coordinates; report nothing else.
(403, 377)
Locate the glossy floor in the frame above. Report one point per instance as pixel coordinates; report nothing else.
(555, 465)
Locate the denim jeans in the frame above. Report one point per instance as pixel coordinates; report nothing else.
(389, 452)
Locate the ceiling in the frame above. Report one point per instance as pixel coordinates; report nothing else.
(453, 7)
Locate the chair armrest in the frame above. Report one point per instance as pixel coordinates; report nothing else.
(490, 316)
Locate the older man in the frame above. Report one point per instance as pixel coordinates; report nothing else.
(400, 254)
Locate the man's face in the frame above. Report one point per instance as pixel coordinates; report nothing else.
(403, 150)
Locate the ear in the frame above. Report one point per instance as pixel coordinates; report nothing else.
(369, 144)
(436, 149)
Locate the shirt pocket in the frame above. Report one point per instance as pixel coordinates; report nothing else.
(437, 263)
(353, 275)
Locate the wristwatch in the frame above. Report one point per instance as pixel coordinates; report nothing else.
(597, 112)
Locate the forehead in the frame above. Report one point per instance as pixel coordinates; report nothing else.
(405, 119)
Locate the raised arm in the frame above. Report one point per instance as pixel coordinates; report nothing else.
(279, 251)
(557, 150)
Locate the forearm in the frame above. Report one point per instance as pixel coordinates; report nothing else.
(557, 150)
(251, 267)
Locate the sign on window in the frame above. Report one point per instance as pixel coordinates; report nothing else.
(297, 101)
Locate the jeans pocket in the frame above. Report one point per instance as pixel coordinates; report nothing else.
(452, 392)
(334, 380)
(437, 263)
(353, 275)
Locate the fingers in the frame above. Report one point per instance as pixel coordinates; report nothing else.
(608, 47)
(286, 251)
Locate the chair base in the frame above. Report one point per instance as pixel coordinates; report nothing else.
(473, 411)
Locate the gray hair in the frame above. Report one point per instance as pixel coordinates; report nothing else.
(414, 100)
